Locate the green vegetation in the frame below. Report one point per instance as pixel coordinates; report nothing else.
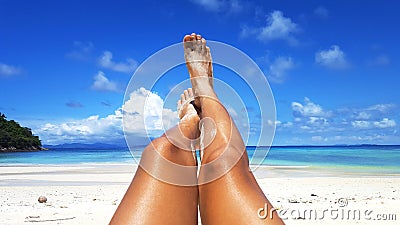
(13, 137)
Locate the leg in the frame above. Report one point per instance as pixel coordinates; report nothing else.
(150, 200)
(235, 197)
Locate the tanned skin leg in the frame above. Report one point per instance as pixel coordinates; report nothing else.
(150, 200)
(233, 197)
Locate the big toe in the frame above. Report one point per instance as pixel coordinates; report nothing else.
(198, 44)
(187, 38)
(189, 41)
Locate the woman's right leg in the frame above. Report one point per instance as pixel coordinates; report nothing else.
(228, 191)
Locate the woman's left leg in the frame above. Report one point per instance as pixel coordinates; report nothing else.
(164, 188)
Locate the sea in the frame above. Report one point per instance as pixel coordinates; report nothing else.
(365, 158)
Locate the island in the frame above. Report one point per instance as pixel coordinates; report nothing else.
(15, 138)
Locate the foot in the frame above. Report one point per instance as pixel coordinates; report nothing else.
(199, 63)
(186, 110)
(189, 119)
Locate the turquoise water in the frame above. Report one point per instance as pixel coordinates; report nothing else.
(380, 159)
(67, 156)
(385, 159)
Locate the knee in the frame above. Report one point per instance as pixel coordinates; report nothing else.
(223, 156)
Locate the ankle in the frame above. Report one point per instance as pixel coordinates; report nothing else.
(202, 85)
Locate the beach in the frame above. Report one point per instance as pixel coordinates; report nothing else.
(90, 193)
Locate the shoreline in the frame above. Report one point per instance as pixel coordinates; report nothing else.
(259, 171)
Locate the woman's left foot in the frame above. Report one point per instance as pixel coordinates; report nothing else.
(189, 119)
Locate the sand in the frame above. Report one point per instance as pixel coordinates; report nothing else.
(90, 193)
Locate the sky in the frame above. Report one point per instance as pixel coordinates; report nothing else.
(332, 67)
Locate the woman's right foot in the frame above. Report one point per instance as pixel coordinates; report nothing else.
(199, 63)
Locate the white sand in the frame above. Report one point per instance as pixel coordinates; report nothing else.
(89, 194)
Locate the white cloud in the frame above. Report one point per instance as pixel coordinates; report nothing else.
(230, 6)
(317, 121)
(313, 124)
(371, 117)
(273, 123)
(81, 51)
(212, 5)
(304, 127)
(353, 139)
(381, 60)
(383, 108)
(278, 27)
(279, 68)
(297, 119)
(126, 67)
(90, 130)
(371, 113)
(234, 6)
(142, 111)
(318, 138)
(363, 115)
(385, 123)
(8, 70)
(321, 12)
(333, 58)
(102, 83)
(287, 124)
(308, 109)
(361, 124)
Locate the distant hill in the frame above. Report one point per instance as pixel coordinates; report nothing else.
(14, 138)
(85, 146)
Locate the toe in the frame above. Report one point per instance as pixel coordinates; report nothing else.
(197, 46)
(191, 94)
(208, 52)
(187, 38)
(198, 37)
(193, 36)
(186, 93)
(182, 99)
(189, 41)
(203, 45)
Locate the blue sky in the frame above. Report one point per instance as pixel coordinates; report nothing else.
(332, 66)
